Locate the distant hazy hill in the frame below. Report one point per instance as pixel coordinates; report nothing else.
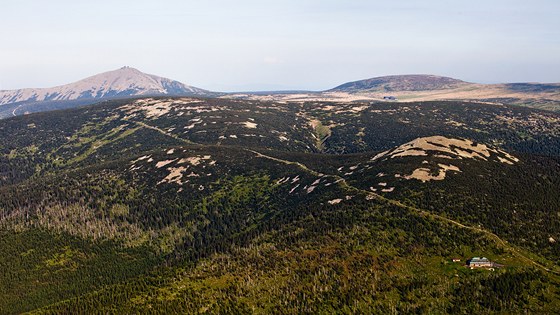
(417, 87)
(123, 82)
(415, 82)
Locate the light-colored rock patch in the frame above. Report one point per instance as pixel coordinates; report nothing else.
(175, 175)
(411, 152)
(328, 108)
(509, 156)
(194, 160)
(150, 107)
(504, 160)
(250, 125)
(357, 109)
(380, 155)
(335, 201)
(448, 148)
(293, 189)
(141, 159)
(425, 174)
(161, 164)
(449, 167)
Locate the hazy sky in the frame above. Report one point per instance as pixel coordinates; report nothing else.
(289, 44)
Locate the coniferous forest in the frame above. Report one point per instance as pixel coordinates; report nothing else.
(192, 205)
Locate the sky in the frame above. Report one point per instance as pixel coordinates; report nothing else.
(253, 45)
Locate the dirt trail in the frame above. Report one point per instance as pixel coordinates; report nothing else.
(139, 123)
(343, 183)
(425, 213)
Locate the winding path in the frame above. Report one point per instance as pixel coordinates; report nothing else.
(425, 213)
(343, 183)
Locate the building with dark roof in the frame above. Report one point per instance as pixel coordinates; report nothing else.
(390, 98)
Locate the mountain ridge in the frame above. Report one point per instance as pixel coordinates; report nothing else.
(123, 82)
(425, 87)
(130, 82)
(407, 82)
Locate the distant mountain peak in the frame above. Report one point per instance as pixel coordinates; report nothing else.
(409, 82)
(122, 82)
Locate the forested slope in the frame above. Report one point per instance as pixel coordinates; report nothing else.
(220, 206)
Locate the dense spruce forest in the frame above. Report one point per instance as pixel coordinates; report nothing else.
(188, 205)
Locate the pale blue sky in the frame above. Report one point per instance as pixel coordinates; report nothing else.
(289, 44)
